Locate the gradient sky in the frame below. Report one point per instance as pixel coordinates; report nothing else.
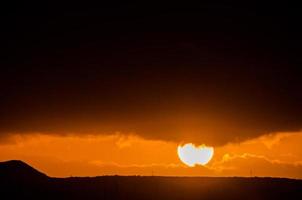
(113, 89)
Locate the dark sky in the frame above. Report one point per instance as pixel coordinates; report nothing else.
(211, 73)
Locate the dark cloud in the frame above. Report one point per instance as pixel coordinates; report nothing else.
(214, 73)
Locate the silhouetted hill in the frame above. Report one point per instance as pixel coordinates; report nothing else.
(19, 170)
(18, 180)
(35, 185)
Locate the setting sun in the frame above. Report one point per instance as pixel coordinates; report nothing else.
(191, 155)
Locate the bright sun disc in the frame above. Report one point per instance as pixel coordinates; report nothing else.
(192, 155)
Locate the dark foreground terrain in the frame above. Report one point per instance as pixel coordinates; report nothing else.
(20, 181)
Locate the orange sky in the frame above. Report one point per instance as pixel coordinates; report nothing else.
(277, 155)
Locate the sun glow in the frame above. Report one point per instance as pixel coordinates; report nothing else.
(192, 155)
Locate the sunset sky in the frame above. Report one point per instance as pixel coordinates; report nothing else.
(115, 89)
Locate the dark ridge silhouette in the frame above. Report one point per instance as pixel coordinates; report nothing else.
(19, 170)
(20, 181)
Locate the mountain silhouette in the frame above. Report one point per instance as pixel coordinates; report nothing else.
(20, 181)
(16, 169)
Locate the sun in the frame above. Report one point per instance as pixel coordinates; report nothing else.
(192, 155)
